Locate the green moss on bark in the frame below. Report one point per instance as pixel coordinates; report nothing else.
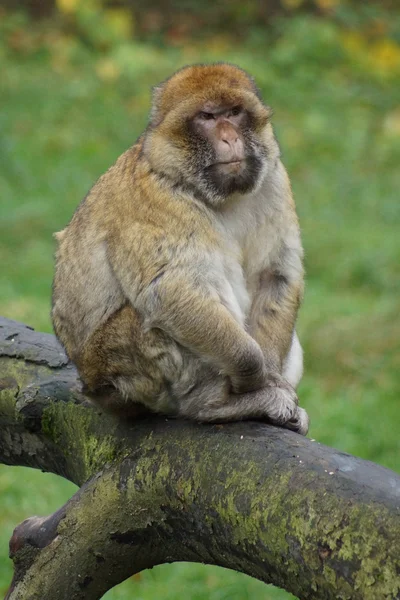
(71, 425)
(236, 495)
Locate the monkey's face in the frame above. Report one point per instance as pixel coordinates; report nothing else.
(228, 156)
(210, 133)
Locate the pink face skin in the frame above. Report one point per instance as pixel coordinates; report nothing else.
(222, 126)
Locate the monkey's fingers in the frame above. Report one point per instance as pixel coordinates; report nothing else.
(280, 404)
(300, 422)
(276, 380)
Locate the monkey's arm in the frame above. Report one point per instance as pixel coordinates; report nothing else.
(202, 323)
(178, 301)
(274, 309)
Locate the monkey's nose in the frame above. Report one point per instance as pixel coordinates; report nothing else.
(229, 145)
(231, 139)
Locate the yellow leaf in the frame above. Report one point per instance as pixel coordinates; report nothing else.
(385, 55)
(72, 6)
(119, 21)
(327, 5)
(381, 56)
(353, 42)
(107, 69)
(67, 6)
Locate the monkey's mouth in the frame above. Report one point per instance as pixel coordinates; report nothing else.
(222, 163)
(231, 167)
(235, 175)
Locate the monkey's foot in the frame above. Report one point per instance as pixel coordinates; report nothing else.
(281, 405)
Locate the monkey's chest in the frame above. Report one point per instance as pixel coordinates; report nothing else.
(234, 292)
(243, 260)
(249, 239)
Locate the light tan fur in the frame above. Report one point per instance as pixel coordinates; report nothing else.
(168, 293)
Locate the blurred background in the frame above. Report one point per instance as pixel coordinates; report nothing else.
(75, 93)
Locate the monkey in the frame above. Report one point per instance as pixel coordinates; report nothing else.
(179, 278)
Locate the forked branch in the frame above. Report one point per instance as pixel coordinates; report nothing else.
(247, 496)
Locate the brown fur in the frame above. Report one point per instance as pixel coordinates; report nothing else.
(177, 296)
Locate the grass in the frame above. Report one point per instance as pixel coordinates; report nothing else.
(67, 113)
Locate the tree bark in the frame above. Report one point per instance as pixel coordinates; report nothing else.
(247, 496)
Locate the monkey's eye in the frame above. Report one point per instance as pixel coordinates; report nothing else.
(236, 110)
(206, 116)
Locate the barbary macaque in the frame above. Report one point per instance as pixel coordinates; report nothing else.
(179, 277)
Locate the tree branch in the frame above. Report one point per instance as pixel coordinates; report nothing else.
(247, 496)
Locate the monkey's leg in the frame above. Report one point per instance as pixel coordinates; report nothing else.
(124, 367)
(211, 400)
(271, 324)
(272, 319)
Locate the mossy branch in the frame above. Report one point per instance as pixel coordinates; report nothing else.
(247, 496)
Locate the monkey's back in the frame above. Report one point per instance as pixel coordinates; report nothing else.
(124, 209)
(85, 290)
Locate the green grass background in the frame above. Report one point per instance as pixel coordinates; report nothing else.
(66, 113)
